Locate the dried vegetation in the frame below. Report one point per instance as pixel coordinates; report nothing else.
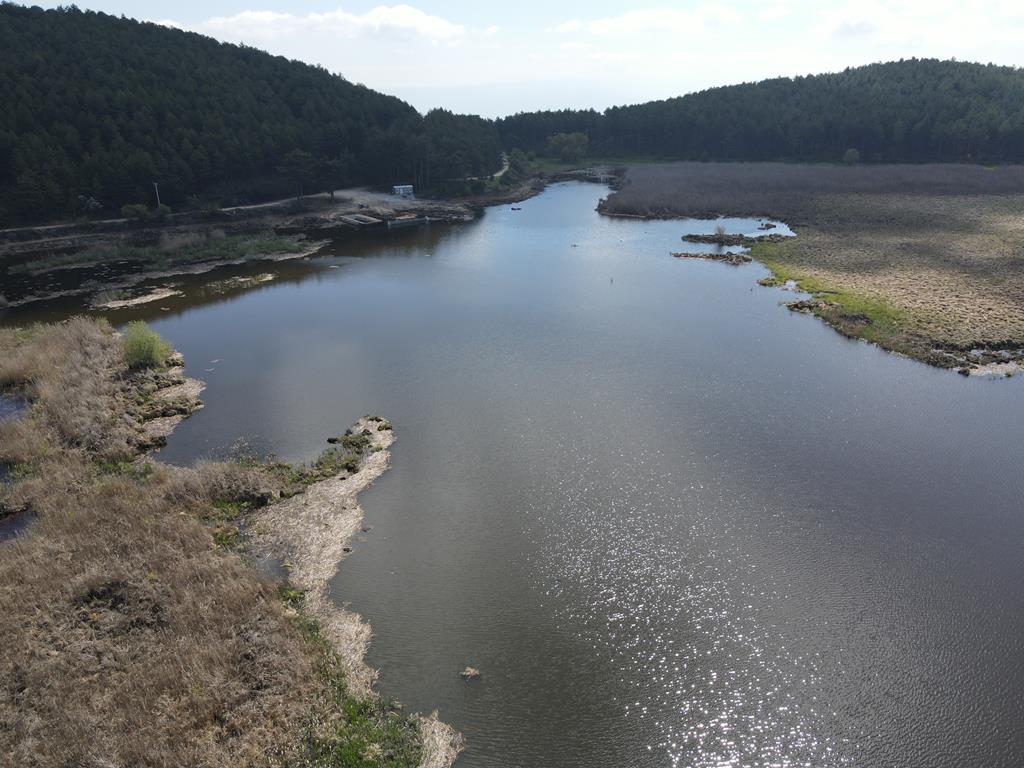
(927, 260)
(135, 631)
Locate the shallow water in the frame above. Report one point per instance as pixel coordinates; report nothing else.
(671, 522)
(11, 407)
(12, 525)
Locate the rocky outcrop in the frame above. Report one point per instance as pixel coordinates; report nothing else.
(724, 240)
(726, 257)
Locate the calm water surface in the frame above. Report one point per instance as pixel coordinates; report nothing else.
(673, 523)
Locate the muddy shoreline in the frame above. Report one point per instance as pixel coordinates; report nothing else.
(307, 224)
(922, 261)
(311, 531)
(977, 359)
(311, 534)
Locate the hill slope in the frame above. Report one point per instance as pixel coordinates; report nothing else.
(905, 111)
(101, 107)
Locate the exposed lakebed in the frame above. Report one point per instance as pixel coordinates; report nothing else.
(671, 522)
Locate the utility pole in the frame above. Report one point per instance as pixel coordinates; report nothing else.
(156, 186)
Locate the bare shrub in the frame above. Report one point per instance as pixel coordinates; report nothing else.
(207, 482)
(21, 441)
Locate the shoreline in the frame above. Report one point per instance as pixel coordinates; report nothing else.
(825, 303)
(128, 281)
(169, 519)
(309, 224)
(876, 321)
(311, 533)
(921, 261)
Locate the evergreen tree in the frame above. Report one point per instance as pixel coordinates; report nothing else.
(98, 107)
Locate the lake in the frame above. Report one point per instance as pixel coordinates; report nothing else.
(671, 522)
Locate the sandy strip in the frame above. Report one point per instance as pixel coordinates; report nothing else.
(1009, 368)
(311, 533)
(155, 295)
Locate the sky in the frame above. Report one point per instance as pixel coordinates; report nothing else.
(498, 58)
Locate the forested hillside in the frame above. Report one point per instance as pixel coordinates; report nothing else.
(96, 108)
(905, 111)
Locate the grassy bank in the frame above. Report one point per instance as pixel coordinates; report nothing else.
(170, 251)
(922, 260)
(135, 630)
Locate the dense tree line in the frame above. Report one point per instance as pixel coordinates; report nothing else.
(96, 108)
(905, 111)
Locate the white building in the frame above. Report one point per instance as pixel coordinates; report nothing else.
(402, 190)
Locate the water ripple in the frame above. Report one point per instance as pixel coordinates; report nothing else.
(653, 579)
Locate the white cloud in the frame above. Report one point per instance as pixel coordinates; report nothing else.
(384, 20)
(934, 27)
(640, 53)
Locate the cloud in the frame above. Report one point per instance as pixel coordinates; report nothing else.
(640, 52)
(384, 21)
(855, 29)
(943, 27)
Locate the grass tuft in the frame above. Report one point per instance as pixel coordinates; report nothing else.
(144, 347)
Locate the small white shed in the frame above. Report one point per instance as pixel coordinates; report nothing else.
(402, 190)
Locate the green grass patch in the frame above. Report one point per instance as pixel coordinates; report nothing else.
(231, 508)
(853, 314)
(352, 443)
(140, 473)
(144, 347)
(333, 461)
(293, 479)
(227, 536)
(345, 731)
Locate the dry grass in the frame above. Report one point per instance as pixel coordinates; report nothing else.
(130, 640)
(71, 372)
(133, 632)
(938, 249)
